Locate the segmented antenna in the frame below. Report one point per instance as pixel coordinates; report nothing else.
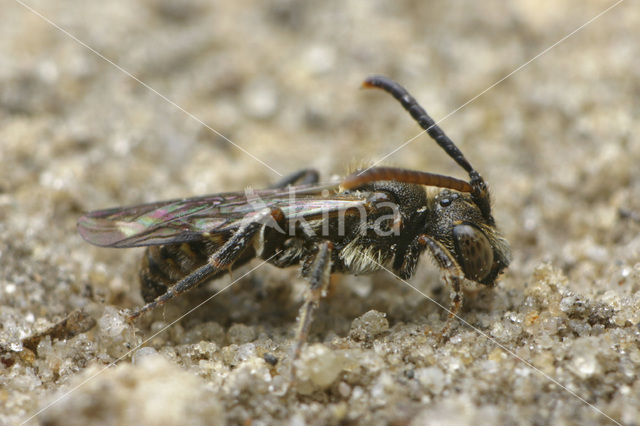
(479, 192)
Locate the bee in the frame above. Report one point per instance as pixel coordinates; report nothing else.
(373, 219)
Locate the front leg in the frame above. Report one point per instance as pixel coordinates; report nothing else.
(452, 275)
(319, 274)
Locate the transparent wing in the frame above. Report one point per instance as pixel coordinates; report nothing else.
(190, 219)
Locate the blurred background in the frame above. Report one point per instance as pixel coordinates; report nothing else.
(557, 140)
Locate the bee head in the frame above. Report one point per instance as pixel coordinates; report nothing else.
(462, 227)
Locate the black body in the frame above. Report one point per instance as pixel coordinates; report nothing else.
(374, 219)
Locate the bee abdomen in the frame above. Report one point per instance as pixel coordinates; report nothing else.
(163, 266)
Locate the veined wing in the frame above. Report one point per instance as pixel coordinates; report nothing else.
(188, 219)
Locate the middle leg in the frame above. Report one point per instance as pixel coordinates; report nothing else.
(301, 177)
(319, 274)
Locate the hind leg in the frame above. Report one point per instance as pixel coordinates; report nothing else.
(220, 261)
(163, 266)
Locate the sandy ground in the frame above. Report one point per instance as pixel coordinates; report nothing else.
(556, 342)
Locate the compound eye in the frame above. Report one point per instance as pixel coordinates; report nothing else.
(475, 253)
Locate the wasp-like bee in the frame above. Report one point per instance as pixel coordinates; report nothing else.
(376, 218)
